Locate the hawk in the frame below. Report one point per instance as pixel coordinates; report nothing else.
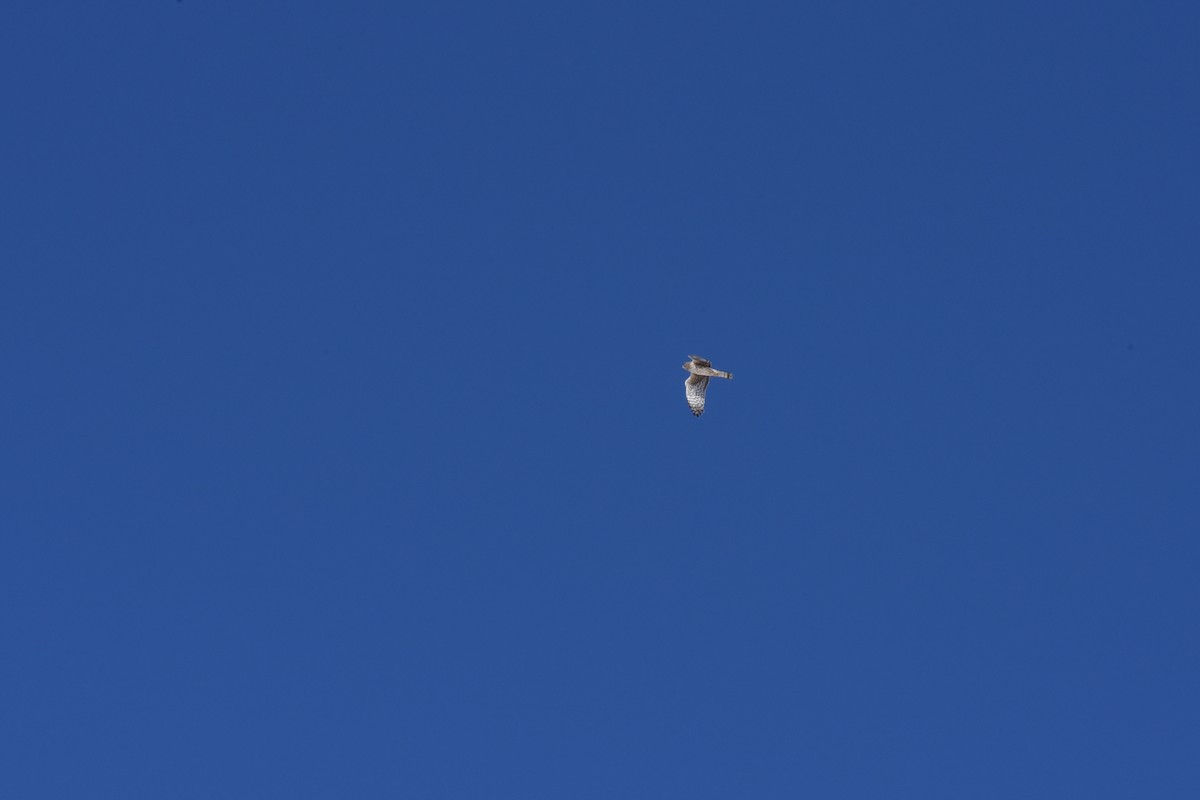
(697, 383)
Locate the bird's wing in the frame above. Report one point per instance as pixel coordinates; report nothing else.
(700, 362)
(694, 386)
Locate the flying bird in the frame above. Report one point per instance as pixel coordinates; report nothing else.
(697, 383)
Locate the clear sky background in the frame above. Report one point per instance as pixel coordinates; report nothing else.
(344, 440)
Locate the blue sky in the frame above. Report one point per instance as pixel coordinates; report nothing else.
(345, 444)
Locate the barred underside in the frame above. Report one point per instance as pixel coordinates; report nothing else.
(695, 386)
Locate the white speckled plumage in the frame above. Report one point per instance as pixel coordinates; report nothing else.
(696, 384)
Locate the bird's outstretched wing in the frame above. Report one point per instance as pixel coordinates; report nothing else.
(694, 386)
(701, 362)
